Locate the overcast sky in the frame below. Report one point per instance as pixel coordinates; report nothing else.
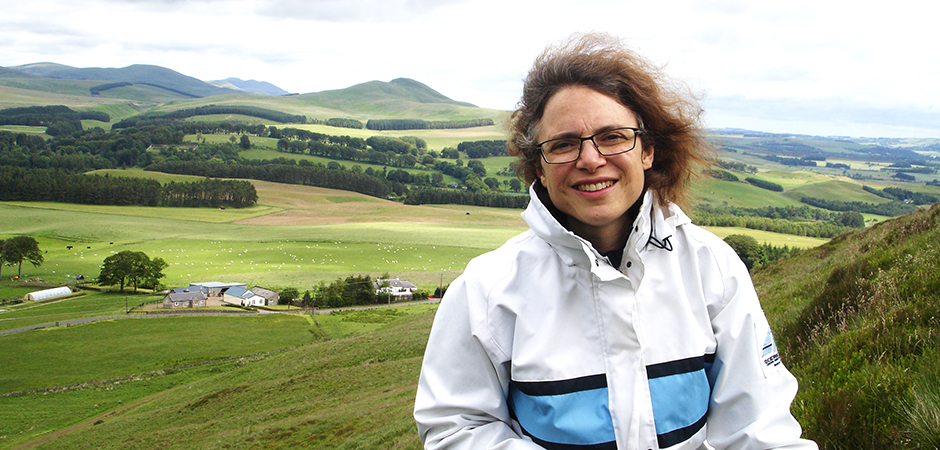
(823, 67)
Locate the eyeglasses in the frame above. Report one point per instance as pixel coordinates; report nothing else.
(608, 143)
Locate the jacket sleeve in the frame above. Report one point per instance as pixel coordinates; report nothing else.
(461, 398)
(752, 390)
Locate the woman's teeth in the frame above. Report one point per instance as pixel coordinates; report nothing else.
(593, 187)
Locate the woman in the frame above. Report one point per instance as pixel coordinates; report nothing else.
(613, 322)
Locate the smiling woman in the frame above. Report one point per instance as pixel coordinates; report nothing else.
(614, 322)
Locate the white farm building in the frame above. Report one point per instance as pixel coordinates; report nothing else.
(49, 293)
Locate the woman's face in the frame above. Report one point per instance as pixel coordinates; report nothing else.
(595, 191)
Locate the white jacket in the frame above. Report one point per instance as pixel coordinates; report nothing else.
(542, 343)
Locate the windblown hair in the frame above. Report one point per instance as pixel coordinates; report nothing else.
(668, 111)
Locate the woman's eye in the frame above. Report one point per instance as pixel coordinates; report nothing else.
(613, 138)
(563, 146)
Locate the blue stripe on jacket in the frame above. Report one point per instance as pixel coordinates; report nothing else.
(565, 414)
(680, 393)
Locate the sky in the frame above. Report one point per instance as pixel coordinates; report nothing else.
(819, 67)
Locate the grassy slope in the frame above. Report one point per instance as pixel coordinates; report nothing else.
(857, 322)
(355, 392)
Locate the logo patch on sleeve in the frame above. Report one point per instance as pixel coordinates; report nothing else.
(769, 356)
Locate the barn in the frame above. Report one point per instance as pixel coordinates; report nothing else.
(49, 293)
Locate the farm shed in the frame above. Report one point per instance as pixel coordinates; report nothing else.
(49, 293)
(216, 289)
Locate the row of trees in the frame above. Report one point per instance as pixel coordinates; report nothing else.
(904, 195)
(87, 150)
(764, 184)
(483, 149)
(45, 116)
(810, 229)
(353, 290)
(344, 123)
(891, 209)
(19, 184)
(209, 192)
(280, 172)
(418, 124)
(461, 197)
(252, 111)
(736, 166)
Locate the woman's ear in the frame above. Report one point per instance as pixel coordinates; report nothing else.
(540, 174)
(647, 157)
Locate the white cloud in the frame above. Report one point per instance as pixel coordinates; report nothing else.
(802, 63)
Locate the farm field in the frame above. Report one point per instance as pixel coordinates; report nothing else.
(295, 236)
(105, 369)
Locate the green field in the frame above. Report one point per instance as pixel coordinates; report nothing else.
(233, 375)
(296, 236)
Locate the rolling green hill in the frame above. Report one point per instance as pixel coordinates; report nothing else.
(856, 320)
(163, 90)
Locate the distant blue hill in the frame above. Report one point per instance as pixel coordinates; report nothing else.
(252, 86)
(134, 74)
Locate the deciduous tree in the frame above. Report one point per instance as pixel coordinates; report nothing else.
(131, 268)
(19, 249)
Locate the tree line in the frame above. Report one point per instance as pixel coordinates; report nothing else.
(764, 184)
(419, 124)
(433, 196)
(87, 150)
(891, 209)
(21, 184)
(279, 172)
(483, 149)
(343, 123)
(252, 111)
(810, 229)
(904, 195)
(59, 120)
(43, 116)
(353, 290)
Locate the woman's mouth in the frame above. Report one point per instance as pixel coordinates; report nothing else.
(594, 187)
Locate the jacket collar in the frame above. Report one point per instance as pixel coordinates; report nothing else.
(653, 227)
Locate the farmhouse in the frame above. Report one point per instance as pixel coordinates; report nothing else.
(270, 297)
(185, 298)
(243, 297)
(400, 290)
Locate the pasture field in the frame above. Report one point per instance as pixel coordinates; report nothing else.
(59, 356)
(775, 239)
(85, 304)
(297, 236)
(121, 366)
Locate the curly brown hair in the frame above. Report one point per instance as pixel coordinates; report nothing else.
(668, 112)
